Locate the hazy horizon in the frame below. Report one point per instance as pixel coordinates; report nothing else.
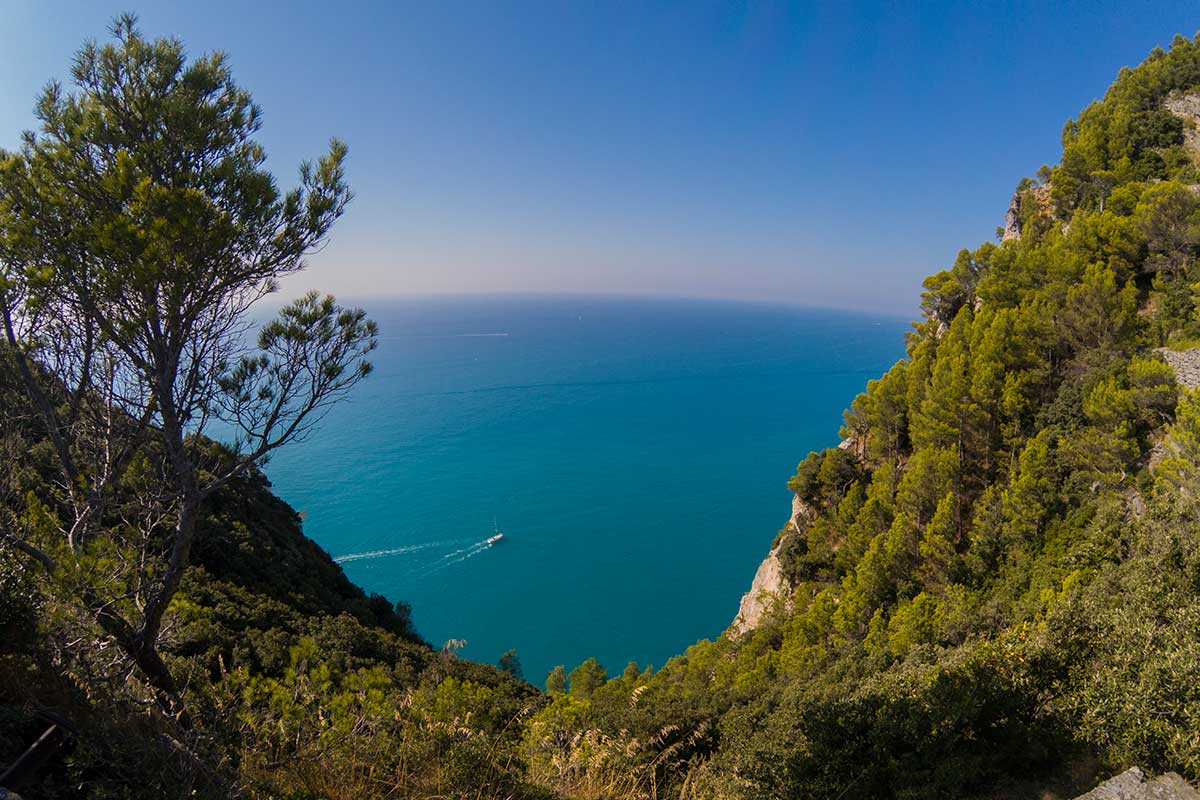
(368, 301)
(827, 157)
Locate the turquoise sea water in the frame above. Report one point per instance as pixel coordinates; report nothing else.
(634, 453)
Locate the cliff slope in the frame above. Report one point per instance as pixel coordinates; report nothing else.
(991, 591)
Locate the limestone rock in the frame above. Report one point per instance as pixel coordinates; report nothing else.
(802, 513)
(855, 445)
(1012, 222)
(1040, 194)
(1187, 108)
(770, 585)
(1186, 364)
(1133, 785)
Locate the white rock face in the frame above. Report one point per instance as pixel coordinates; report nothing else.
(1186, 364)
(1040, 194)
(1187, 108)
(1012, 223)
(1132, 785)
(770, 585)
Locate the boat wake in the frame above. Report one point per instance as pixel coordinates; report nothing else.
(395, 551)
(450, 559)
(417, 569)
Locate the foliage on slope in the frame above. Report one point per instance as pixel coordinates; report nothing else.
(999, 578)
(154, 596)
(301, 684)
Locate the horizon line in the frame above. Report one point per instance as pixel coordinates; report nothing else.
(280, 297)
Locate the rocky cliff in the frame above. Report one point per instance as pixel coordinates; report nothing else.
(770, 584)
(1012, 218)
(1132, 784)
(1186, 364)
(1186, 106)
(1039, 200)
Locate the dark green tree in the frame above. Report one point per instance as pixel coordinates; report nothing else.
(1169, 216)
(587, 678)
(137, 230)
(509, 662)
(556, 681)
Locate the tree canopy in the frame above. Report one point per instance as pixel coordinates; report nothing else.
(138, 228)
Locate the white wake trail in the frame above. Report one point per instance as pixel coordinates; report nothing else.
(392, 551)
(449, 559)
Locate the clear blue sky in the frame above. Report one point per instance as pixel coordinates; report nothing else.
(827, 154)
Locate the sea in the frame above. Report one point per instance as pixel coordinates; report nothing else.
(633, 452)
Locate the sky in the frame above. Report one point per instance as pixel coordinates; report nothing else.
(826, 154)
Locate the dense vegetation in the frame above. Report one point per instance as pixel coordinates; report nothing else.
(998, 575)
(157, 600)
(995, 585)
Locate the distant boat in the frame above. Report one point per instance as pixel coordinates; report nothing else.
(495, 537)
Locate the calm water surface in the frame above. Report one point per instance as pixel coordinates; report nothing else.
(634, 453)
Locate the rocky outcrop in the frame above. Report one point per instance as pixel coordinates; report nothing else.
(1186, 364)
(1012, 218)
(857, 445)
(802, 514)
(1040, 194)
(770, 586)
(1132, 784)
(1187, 108)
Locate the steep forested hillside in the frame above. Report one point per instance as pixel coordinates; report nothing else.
(158, 606)
(300, 684)
(994, 581)
(993, 589)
